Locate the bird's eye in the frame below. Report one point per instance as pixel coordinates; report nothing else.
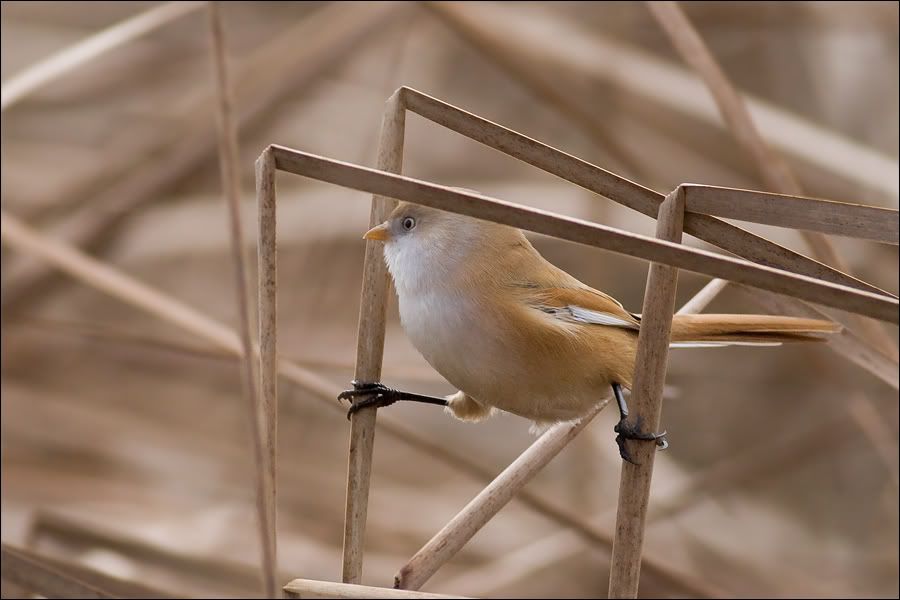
(408, 223)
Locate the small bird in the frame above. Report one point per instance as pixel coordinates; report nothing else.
(513, 332)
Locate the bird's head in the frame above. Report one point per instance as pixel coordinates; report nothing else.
(428, 247)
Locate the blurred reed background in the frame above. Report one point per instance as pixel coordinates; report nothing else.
(125, 446)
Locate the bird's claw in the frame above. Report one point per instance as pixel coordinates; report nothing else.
(379, 396)
(626, 431)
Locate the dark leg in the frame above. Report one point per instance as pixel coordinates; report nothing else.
(626, 431)
(382, 396)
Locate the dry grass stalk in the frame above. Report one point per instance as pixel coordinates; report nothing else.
(69, 59)
(846, 343)
(701, 299)
(880, 435)
(263, 422)
(267, 261)
(118, 588)
(30, 573)
(69, 531)
(370, 351)
(476, 514)
(583, 232)
(460, 19)
(810, 214)
(652, 355)
(618, 189)
(633, 71)
(272, 72)
(114, 336)
(304, 588)
(775, 171)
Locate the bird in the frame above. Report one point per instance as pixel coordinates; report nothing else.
(513, 332)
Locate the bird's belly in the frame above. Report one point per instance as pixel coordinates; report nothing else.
(478, 355)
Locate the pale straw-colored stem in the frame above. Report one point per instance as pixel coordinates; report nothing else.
(652, 356)
(262, 422)
(370, 350)
(32, 78)
(449, 540)
(306, 588)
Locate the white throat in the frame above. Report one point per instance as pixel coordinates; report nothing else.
(419, 268)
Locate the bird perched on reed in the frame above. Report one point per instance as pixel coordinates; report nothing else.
(513, 332)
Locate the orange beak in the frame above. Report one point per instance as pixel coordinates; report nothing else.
(379, 233)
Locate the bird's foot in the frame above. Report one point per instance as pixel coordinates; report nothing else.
(380, 396)
(626, 431)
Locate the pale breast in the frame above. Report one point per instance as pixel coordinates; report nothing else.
(482, 354)
(448, 336)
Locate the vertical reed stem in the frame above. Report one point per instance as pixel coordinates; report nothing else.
(650, 375)
(370, 349)
(260, 425)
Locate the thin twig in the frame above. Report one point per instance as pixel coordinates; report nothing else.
(476, 514)
(114, 335)
(845, 343)
(31, 573)
(71, 531)
(23, 84)
(482, 37)
(116, 587)
(263, 422)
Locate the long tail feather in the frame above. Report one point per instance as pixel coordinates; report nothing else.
(694, 330)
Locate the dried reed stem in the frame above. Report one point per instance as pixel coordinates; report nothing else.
(66, 530)
(114, 586)
(583, 232)
(482, 37)
(872, 424)
(774, 169)
(262, 421)
(267, 268)
(633, 71)
(270, 73)
(370, 350)
(476, 514)
(795, 212)
(846, 343)
(304, 588)
(63, 62)
(29, 572)
(701, 299)
(652, 356)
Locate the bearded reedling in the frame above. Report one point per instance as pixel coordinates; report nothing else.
(513, 332)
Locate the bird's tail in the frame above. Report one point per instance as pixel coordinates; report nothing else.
(756, 330)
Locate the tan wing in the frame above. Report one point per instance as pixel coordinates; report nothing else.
(581, 305)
